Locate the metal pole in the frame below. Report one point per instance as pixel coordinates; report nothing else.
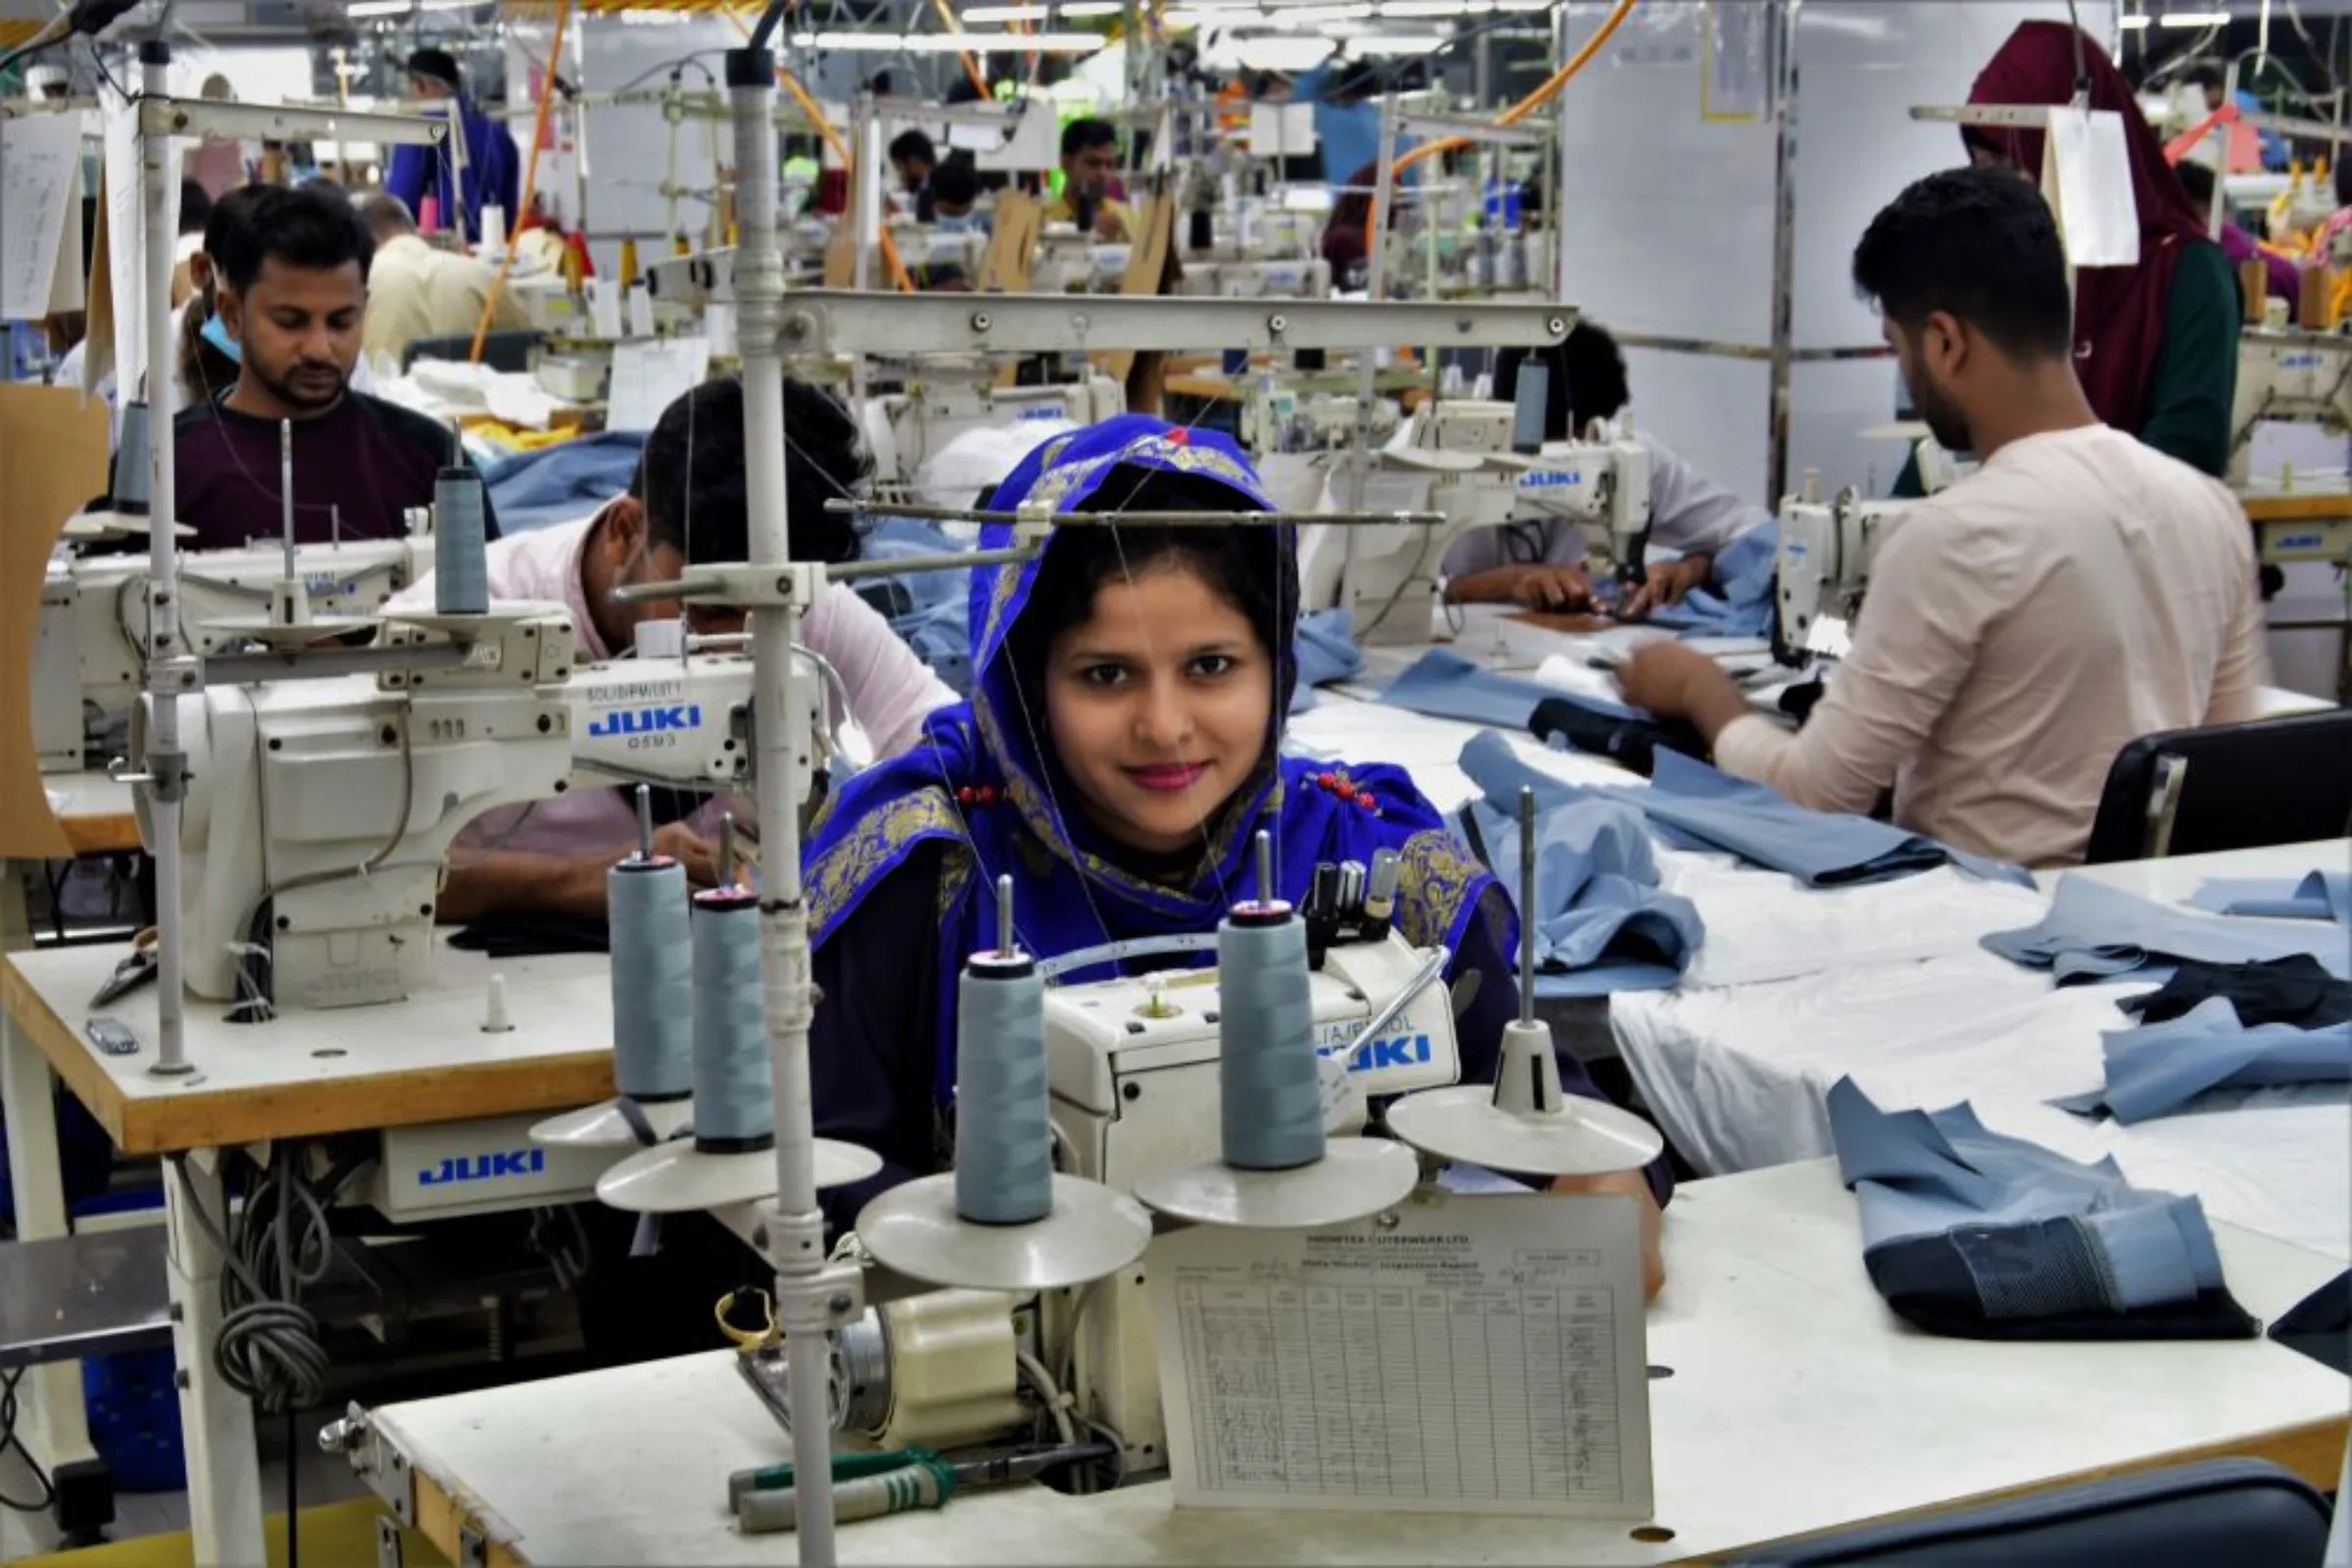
(865, 217)
(1375, 287)
(1784, 251)
(171, 670)
(795, 1225)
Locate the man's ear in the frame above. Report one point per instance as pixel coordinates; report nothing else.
(1944, 342)
(625, 530)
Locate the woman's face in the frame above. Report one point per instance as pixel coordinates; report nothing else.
(1158, 707)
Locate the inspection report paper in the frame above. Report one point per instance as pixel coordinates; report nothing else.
(1462, 1353)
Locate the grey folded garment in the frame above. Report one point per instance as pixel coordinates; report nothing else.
(2159, 1069)
(2096, 932)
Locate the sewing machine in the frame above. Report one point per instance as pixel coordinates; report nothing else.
(92, 629)
(906, 429)
(1258, 278)
(1824, 568)
(1071, 263)
(320, 812)
(2287, 375)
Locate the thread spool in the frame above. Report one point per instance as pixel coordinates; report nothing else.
(1269, 1085)
(654, 991)
(461, 544)
(734, 1096)
(132, 475)
(1004, 1142)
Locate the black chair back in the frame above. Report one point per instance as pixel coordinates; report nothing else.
(2232, 787)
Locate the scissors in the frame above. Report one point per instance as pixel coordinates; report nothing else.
(132, 972)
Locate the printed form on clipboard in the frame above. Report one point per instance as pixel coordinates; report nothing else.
(1464, 1354)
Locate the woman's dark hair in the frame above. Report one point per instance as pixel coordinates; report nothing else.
(1587, 379)
(1250, 568)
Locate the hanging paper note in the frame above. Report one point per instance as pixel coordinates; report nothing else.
(40, 172)
(649, 377)
(2086, 176)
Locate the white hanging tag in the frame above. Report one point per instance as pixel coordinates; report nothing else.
(2087, 179)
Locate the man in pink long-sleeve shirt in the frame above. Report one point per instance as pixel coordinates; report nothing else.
(2079, 591)
(686, 502)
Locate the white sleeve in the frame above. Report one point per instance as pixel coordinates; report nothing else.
(890, 690)
(1695, 516)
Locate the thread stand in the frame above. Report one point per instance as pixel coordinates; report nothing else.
(1279, 1171)
(1004, 1219)
(1525, 1123)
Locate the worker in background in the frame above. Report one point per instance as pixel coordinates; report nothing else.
(492, 167)
(550, 858)
(290, 270)
(912, 158)
(416, 290)
(2249, 148)
(2079, 591)
(2284, 278)
(1089, 157)
(1541, 565)
(956, 197)
(2156, 344)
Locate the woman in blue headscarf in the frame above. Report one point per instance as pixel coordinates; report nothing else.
(1119, 753)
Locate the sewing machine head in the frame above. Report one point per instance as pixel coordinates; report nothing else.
(1826, 547)
(910, 428)
(2287, 375)
(1258, 278)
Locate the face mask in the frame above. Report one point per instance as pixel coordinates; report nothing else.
(956, 225)
(217, 335)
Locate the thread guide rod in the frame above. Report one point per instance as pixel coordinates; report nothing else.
(1007, 946)
(1527, 905)
(644, 823)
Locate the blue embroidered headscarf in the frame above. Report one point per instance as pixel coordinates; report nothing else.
(982, 784)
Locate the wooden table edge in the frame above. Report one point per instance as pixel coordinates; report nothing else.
(202, 1118)
(102, 834)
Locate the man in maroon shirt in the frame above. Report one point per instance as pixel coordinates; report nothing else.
(291, 271)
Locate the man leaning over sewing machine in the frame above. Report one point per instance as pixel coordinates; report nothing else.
(686, 502)
(1541, 564)
(2076, 592)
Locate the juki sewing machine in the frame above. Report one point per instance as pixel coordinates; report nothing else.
(1072, 263)
(906, 429)
(92, 637)
(1258, 278)
(2290, 376)
(1824, 568)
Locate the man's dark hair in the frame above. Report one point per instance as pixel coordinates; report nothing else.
(691, 475)
(437, 64)
(1081, 135)
(954, 181)
(2204, 73)
(314, 229)
(1979, 243)
(1587, 379)
(2197, 180)
(195, 207)
(913, 146)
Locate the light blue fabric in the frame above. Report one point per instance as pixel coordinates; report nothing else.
(930, 610)
(2096, 932)
(1327, 652)
(561, 483)
(1931, 1173)
(1740, 604)
(2159, 1069)
(1601, 922)
(2320, 896)
(1444, 684)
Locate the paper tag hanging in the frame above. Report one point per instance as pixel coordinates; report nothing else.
(2087, 179)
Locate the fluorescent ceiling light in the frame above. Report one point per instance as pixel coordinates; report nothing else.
(447, 5)
(2131, 23)
(1432, 8)
(1006, 13)
(2194, 19)
(1395, 44)
(1523, 5)
(377, 8)
(1318, 16)
(1281, 53)
(947, 43)
(1195, 17)
(1093, 8)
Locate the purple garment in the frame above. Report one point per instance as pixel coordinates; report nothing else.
(368, 458)
(2287, 279)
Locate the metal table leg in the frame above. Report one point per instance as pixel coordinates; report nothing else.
(224, 1474)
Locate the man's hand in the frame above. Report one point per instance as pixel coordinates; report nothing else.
(1665, 584)
(1537, 585)
(698, 855)
(1672, 681)
(1635, 1185)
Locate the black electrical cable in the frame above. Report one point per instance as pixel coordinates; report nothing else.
(768, 18)
(9, 1440)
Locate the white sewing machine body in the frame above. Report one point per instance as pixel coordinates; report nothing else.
(1258, 279)
(1071, 263)
(92, 632)
(333, 803)
(2287, 375)
(1135, 1094)
(1825, 550)
(910, 428)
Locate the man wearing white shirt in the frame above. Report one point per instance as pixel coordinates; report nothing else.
(1541, 564)
(2079, 591)
(418, 290)
(687, 503)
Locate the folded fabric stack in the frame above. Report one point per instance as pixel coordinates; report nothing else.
(2159, 1069)
(1970, 1233)
(2320, 896)
(2095, 932)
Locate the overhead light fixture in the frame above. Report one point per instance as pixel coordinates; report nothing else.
(1007, 13)
(1395, 44)
(2194, 19)
(1278, 52)
(365, 9)
(1093, 8)
(1523, 5)
(1321, 16)
(1434, 8)
(447, 5)
(1219, 17)
(2131, 23)
(948, 43)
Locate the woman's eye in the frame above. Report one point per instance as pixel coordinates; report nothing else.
(1102, 675)
(1212, 666)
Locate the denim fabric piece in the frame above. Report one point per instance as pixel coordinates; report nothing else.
(560, 483)
(2320, 896)
(928, 610)
(1327, 652)
(1600, 916)
(2159, 1069)
(1921, 1174)
(1445, 685)
(2096, 932)
(1742, 607)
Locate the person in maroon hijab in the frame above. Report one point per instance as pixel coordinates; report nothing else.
(2156, 344)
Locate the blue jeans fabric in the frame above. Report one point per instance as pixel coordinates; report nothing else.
(2159, 1069)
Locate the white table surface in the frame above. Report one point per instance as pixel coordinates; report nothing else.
(88, 793)
(1738, 1076)
(1798, 1402)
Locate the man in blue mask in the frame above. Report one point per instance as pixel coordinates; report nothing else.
(491, 167)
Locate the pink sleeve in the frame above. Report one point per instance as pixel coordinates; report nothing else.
(890, 690)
